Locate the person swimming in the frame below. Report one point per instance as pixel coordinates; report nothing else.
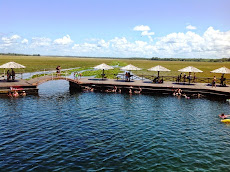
(223, 116)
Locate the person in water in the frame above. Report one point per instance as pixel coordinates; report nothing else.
(15, 94)
(223, 116)
(23, 93)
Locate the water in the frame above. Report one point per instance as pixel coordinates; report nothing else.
(64, 131)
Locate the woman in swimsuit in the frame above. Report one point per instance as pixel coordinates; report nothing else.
(223, 116)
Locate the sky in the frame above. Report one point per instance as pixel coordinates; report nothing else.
(116, 28)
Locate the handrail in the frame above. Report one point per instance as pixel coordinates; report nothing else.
(175, 78)
(142, 77)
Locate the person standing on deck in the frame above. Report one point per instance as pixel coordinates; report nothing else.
(194, 78)
(8, 75)
(58, 68)
(13, 74)
(180, 77)
(126, 76)
(184, 77)
(214, 82)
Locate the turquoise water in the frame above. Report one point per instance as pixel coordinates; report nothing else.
(64, 131)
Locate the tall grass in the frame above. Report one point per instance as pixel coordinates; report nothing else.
(41, 63)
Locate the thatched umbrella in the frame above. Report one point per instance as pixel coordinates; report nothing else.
(103, 67)
(11, 65)
(222, 70)
(130, 67)
(190, 69)
(159, 69)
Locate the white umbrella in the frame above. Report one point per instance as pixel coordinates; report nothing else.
(159, 69)
(222, 70)
(11, 65)
(190, 69)
(103, 67)
(130, 67)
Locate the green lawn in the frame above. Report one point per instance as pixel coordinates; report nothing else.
(35, 63)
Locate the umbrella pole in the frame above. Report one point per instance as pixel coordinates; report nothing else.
(103, 71)
(158, 73)
(189, 77)
(4, 73)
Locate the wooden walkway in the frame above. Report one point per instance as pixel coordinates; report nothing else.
(29, 85)
(147, 86)
(151, 84)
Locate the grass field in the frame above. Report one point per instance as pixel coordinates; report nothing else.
(39, 63)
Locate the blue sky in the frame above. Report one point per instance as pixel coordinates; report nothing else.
(116, 28)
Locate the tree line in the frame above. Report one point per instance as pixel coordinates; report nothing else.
(16, 54)
(191, 59)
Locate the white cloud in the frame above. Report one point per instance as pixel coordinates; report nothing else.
(144, 31)
(85, 48)
(141, 28)
(103, 44)
(40, 42)
(15, 37)
(25, 41)
(211, 44)
(9, 40)
(190, 27)
(66, 40)
(117, 47)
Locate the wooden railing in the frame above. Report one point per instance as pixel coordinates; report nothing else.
(175, 79)
(18, 75)
(134, 77)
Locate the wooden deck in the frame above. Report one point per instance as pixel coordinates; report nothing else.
(147, 86)
(166, 87)
(29, 85)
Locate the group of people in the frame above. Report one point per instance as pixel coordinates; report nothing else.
(113, 90)
(136, 91)
(16, 94)
(158, 80)
(222, 83)
(130, 90)
(127, 76)
(178, 92)
(77, 75)
(10, 75)
(184, 77)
